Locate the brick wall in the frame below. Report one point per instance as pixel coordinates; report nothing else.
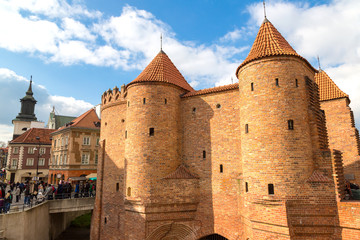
(273, 154)
(214, 128)
(343, 135)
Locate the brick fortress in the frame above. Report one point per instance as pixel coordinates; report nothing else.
(250, 160)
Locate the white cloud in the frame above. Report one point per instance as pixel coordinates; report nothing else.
(129, 41)
(54, 8)
(76, 29)
(6, 132)
(13, 87)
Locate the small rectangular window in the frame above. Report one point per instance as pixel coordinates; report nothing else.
(276, 81)
(252, 86)
(246, 187)
(31, 150)
(84, 159)
(125, 134)
(29, 162)
(41, 162)
(271, 189)
(246, 128)
(16, 150)
(42, 151)
(86, 141)
(117, 187)
(144, 100)
(151, 131)
(165, 101)
(291, 124)
(204, 154)
(296, 83)
(221, 168)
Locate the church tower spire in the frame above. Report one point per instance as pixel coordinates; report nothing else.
(27, 112)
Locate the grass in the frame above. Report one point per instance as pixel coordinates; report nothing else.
(83, 221)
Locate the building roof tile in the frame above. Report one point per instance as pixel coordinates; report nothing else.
(317, 176)
(328, 90)
(62, 120)
(212, 90)
(269, 42)
(85, 120)
(181, 172)
(162, 69)
(30, 136)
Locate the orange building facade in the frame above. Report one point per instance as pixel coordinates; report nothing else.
(250, 160)
(75, 148)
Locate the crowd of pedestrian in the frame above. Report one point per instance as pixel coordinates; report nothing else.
(37, 192)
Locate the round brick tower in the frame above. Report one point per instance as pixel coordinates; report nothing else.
(276, 136)
(152, 144)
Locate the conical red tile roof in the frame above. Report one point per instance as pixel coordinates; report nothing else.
(161, 69)
(269, 42)
(327, 88)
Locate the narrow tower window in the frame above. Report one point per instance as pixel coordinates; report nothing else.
(125, 134)
(204, 154)
(246, 187)
(165, 101)
(129, 191)
(128, 103)
(296, 83)
(117, 187)
(291, 124)
(144, 100)
(151, 132)
(276, 81)
(194, 110)
(105, 220)
(252, 86)
(221, 168)
(271, 189)
(246, 128)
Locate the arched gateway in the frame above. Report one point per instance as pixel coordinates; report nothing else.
(213, 237)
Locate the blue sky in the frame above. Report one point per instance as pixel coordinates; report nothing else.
(75, 50)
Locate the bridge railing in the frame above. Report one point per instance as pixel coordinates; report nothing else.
(34, 201)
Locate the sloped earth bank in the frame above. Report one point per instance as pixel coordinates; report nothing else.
(75, 233)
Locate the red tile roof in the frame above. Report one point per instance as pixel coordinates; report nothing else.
(5, 150)
(317, 176)
(269, 42)
(212, 90)
(327, 88)
(181, 173)
(161, 69)
(30, 136)
(86, 120)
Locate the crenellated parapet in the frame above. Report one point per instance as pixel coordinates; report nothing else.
(112, 96)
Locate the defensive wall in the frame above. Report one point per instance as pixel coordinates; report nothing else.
(45, 221)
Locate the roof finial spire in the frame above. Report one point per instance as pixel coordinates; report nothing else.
(29, 91)
(319, 63)
(161, 42)
(264, 9)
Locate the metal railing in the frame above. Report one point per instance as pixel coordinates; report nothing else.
(34, 201)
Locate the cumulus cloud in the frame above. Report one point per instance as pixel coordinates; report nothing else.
(6, 132)
(326, 30)
(13, 87)
(128, 41)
